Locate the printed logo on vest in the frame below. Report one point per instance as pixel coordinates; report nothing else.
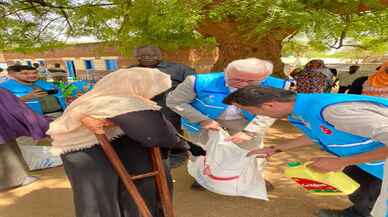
(326, 130)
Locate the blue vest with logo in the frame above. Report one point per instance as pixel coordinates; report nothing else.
(308, 117)
(19, 90)
(210, 92)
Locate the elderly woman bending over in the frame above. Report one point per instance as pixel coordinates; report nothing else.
(134, 123)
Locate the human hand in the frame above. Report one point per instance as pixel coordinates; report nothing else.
(239, 137)
(327, 164)
(210, 125)
(37, 93)
(264, 152)
(96, 125)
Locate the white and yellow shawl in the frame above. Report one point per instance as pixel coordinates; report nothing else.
(120, 92)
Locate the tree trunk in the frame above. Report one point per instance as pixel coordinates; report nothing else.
(234, 44)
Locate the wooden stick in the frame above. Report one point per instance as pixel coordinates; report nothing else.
(123, 174)
(161, 182)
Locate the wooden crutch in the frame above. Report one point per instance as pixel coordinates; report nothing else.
(157, 172)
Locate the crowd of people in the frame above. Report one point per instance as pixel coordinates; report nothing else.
(177, 108)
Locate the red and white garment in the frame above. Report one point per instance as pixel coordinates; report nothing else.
(226, 170)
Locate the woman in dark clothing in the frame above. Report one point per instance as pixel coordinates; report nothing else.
(88, 170)
(135, 124)
(356, 87)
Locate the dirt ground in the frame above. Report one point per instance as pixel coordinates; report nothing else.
(52, 196)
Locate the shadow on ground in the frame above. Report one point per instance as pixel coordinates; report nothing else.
(52, 196)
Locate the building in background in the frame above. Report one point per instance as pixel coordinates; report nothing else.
(91, 61)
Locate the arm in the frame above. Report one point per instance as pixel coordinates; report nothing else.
(329, 164)
(259, 125)
(378, 154)
(179, 101)
(299, 142)
(363, 119)
(256, 128)
(33, 95)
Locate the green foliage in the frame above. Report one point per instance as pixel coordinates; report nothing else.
(166, 23)
(323, 22)
(172, 24)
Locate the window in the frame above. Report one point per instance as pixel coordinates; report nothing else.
(111, 64)
(29, 62)
(41, 62)
(89, 64)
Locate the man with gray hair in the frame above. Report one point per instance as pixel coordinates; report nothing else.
(199, 101)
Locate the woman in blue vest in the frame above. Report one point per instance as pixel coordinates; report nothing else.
(353, 128)
(42, 97)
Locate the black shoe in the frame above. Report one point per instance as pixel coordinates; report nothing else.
(177, 159)
(196, 186)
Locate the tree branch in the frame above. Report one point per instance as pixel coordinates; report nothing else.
(16, 11)
(45, 27)
(340, 41)
(67, 19)
(289, 38)
(49, 5)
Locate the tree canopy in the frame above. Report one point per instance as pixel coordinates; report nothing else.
(240, 28)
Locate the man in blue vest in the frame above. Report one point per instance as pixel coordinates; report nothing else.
(198, 100)
(353, 128)
(42, 97)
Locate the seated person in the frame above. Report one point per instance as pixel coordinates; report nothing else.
(41, 96)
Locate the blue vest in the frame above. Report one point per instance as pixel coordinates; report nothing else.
(20, 90)
(211, 90)
(337, 142)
